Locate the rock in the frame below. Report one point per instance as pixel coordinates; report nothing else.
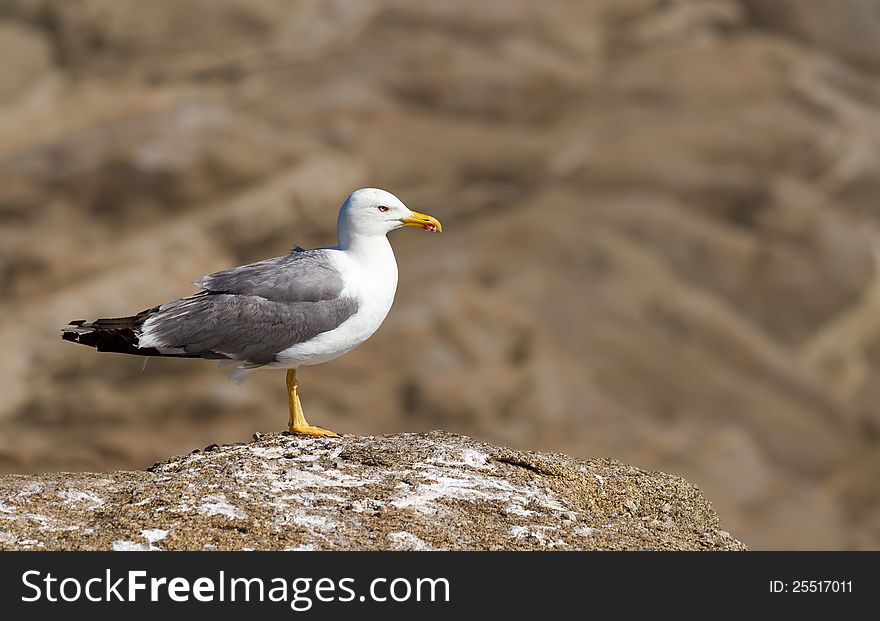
(433, 491)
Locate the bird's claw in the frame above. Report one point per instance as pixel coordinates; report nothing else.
(313, 431)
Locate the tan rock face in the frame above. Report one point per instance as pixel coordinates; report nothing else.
(659, 230)
(433, 491)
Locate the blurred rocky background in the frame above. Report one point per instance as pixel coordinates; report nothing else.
(661, 230)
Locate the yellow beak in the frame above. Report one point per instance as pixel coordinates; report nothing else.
(428, 223)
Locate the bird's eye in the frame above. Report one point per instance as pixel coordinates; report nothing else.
(383, 208)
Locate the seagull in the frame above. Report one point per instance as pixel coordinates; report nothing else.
(305, 308)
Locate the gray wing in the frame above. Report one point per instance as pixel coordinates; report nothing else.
(242, 327)
(253, 312)
(306, 276)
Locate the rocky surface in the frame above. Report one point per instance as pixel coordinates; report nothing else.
(660, 230)
(435, 491)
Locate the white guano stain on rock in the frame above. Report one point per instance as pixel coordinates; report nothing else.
(217, 504)
(402, 540)
(80, 496)
(318, 523)
(515, 509)
(466, 457)
(294, 479)
(531, 530)
(42, 522)
(30, 489)
(30, 543)
(312, 498)
(122, 545)
(584, 531)
(152, 535)
(468, 486)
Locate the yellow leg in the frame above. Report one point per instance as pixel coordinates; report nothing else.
(297, 423)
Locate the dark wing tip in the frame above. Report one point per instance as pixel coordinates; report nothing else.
(73, 331)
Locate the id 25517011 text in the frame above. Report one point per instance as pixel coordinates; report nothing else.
(811, 586)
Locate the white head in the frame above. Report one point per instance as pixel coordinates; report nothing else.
(371, 212)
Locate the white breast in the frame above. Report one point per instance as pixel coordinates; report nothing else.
(370, 276)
